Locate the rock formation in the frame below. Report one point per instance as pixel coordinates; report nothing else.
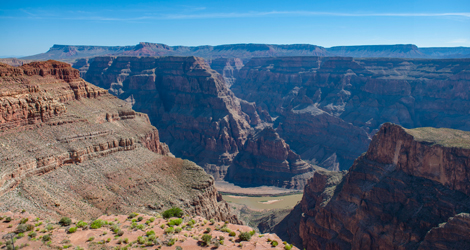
(70, 148)
(69, 53)
(410, 190)
(327, 108)
(197, 115)
(228, 68)
(266, 158)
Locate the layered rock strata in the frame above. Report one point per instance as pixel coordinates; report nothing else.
(228, 68)
(69, 148)
(328, 108)
(410, 190)
(197, 115)
(266, 158)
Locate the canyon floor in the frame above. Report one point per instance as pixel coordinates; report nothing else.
(135, 233)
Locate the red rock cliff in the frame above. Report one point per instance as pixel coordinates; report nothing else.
(69, 148)
(409, 191)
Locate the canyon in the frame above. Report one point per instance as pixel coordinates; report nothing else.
(410, 190)
(200, 119)
(69, 148)
(328, 108)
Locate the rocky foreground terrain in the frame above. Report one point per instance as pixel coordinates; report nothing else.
(328, 108)
(410, 190)
(201, 119)
(71, 148)
(134, 231)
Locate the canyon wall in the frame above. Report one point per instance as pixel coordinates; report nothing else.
(69, 148)
(328, 108)
(69, 53)
(410, 190)
(197, 115)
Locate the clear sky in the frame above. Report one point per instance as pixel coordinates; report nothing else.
(31, 27)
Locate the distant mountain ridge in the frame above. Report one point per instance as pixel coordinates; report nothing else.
(247, 51)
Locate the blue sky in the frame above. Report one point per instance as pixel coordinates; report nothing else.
(31, 27)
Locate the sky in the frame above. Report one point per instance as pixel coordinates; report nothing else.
(32, 27)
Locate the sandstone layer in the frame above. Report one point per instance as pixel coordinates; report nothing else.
(328, 108)
(410, 190)
(197, 115)
(71, 148)
(266, 158)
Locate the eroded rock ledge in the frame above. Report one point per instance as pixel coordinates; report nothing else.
(70, 148)
(395, 196)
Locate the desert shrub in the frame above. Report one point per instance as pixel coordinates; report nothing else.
(21, 228)
(97, 224)
(274, 243)
(151, 232)
(221, 237)
(176, 222)
(169, 230)
(162, 226)
(72, 230)
(24, 220)
(208, 230)
(178, 229)
(140, 218)
(152, 237)
(206, 238)
(38, 224)
(225, 230)
(126, 240)
(173, 212)
(178, 248)
(65, 221)
(212, 221)
(120, 232)
(232, 234)
(81, 224)
(108, 240)
(152, 219)
(244, 236)
(49, 227)
(8, 219)
(132, 215)
(46, 237)
(171, 242)
(288, 247)
(91, 239)
(32, 234)
(140, 227)
(20, 235)
(252, 232)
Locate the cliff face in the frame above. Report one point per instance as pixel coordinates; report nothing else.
(69, 148)
(409, 191)
(197, 115)
(327, 108)
(228, 68)
(266, 158)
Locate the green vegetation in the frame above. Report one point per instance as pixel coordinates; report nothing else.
(274, 243)
(176, 222)
(173, 212)
(171, 242)
(244, 236)
(288, 247)
(232, 234)
(178, 229)
(72, 230)
(169, 230)
(65, 221)
(8, 219)
(206, 238)
(32, 234)
(140, 218)
(132, 215)
(82, 224)
(24, 220)
(46, 237)
(91, 239)
(97, 224)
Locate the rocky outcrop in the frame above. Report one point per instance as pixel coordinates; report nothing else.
(398, 50)
(328, 108)
(410, 190)
(196, 114)
(69, 148)
(267, 159)
(228, 68)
